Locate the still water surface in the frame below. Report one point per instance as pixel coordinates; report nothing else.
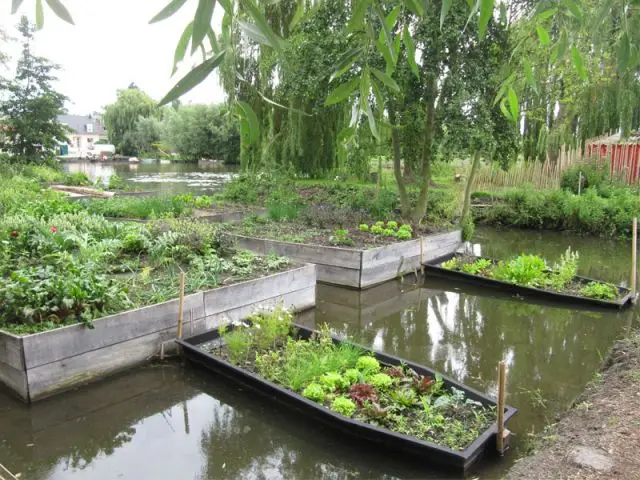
(170, 421)
(199, 178)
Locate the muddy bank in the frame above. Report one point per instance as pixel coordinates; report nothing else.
(600, 436)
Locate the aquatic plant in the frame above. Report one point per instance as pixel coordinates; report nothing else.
(344, 405)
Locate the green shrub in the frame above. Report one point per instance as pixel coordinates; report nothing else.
(468, 228)
(341, 237)
(77, 179)
(594, 174)
(344, 406)
(315, 392)
(116, 183)
(389, 232)
(377, 230)
(482, 265)
(238, 342)
(392, 225)
(364, 227)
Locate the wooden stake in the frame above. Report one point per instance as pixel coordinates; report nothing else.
(502, 377)
(181, 306)
(634, 257)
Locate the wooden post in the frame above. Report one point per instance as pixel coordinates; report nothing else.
(181, 305)
(634, 257)
(502, 432)
(579, 182)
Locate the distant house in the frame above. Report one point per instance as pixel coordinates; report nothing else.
(84, 131)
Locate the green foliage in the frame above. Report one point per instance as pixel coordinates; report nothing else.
(393, 225)
(116, 183)
(30, 106)
(525, 270)
(604, 291)
(451, 264)
(468, 228)
(121, 118)
(479, 266)
(202, 131)
(138, 207)
(344, 406)
(380, 380)
(282, 204)
(403, 235)
(352, 376)
(77, 179)
(363, 227)
(238, 342)
(593, 173)
(341, 237)
(377, 230)
(331, 381)
(368, 365)
(588, 213)
(315, 392)
(389, 232)
(562, 273)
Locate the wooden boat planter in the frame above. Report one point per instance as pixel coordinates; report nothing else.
(624, 299)
(431, 453)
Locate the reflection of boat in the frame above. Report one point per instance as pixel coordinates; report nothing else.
(436, 454)
(134, 160)
(436, 269)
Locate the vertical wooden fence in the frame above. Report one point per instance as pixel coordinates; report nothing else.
(624, 159)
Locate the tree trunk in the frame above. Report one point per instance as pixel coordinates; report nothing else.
(397, 165)
(425, 167)
(475, 164)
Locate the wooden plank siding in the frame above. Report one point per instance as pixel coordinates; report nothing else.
(40, 365)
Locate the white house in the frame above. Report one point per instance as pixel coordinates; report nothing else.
(85, 131)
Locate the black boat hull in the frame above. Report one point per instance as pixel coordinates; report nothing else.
(432, 453)
(435, 269)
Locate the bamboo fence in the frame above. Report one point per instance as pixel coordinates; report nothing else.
(540, 175)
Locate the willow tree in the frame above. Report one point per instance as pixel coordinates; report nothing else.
(121, 117)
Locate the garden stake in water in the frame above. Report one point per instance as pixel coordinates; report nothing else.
(503, 433)
(634, 258)
(181, 305)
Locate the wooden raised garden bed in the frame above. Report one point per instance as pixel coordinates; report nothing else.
(197, 349)
(436, 268)
(43, 364)
(360, 268)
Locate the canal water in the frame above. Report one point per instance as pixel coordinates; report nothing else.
(174, 421)
(203, 178)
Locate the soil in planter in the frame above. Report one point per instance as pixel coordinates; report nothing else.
(347, 380)
(533, 271)
(357, 236)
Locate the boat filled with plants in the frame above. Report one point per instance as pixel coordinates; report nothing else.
(533, 275)
(369, 395)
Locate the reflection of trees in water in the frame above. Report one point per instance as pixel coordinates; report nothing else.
(106, 443)
(251, 443)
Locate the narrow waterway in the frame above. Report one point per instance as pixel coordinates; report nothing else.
(199, 178)
(170, 421)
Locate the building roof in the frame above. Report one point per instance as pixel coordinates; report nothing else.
(78, 123)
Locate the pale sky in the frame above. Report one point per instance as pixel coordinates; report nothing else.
(112, 45)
